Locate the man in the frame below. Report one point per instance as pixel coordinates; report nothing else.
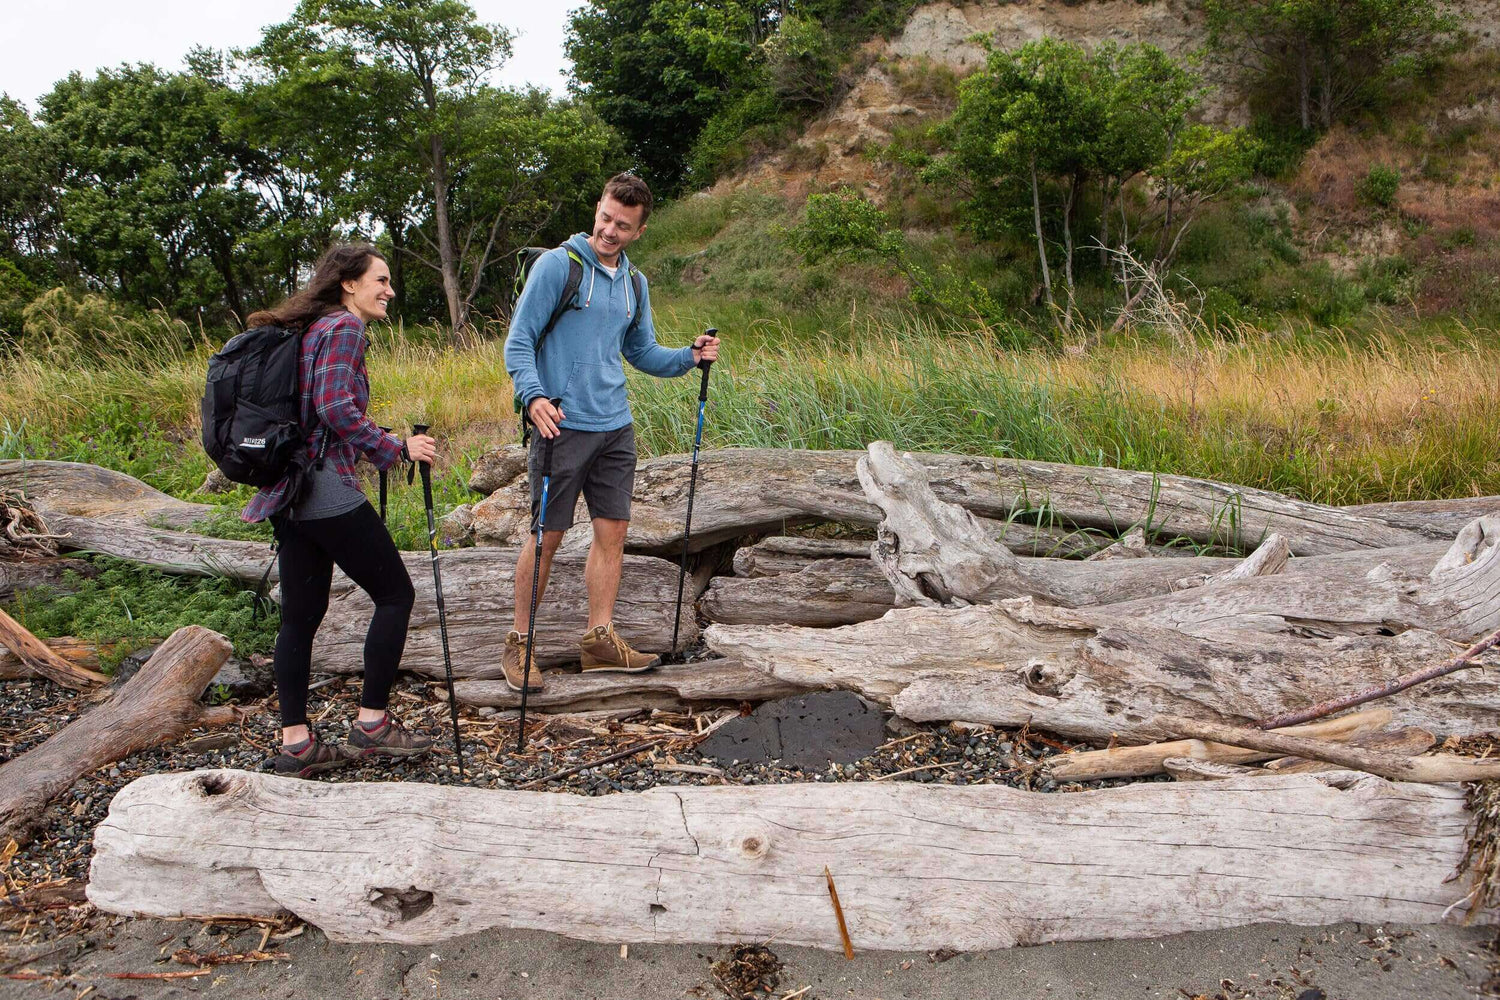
(592, 434)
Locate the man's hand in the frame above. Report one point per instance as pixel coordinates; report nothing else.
(421, 448)
(705, 348)
(545, 417)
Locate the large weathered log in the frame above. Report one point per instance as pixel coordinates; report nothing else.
(935, 553)
(845, 591)
(821, 594)
(1139, 761)
(37, 657)
(789, 554)
(1459, 598)
(670, 687)
(176, 552)
(82, 653)
(1443, 518)
(759, 491)
(1432, 768)
(100, 510)
(478, 587)
(25, 574)
(96, 493)
(1093, 674)
(917, 868)
(157, 705)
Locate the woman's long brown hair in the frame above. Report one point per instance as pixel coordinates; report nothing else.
(324, 293)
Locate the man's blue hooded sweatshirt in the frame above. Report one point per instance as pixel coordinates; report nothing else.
(580, 358)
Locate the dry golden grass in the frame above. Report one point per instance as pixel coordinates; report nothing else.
(1336, 421)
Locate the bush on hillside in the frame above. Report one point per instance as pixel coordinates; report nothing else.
(16, 292)
(1379, 186)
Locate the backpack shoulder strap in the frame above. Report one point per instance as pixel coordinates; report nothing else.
(637, 283)
(569, 293)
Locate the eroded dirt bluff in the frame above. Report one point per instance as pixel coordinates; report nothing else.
(892, 90)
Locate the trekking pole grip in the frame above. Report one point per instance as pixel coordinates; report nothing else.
(548, 442)
(425, 467)
(704, 364)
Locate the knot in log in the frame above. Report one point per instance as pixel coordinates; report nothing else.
(1046, 677)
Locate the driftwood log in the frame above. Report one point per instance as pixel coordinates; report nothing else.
(157, 705)
(1148, 759)
(1091, 674)
(38, 658)
(934, 553)
(761, 491)
(917, 868)
(843, 591)
(672, 687)
(97, 494)
(81, 653)
(478, 590)
(1407, 741)
(1431, 768)
(24, 574)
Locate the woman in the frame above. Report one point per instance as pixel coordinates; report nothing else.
(329, 522)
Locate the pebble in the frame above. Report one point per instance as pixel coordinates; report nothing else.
(977, 756)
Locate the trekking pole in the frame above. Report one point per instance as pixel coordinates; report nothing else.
(536, 579)
(384, 477)
(437, 585)
(687, 530)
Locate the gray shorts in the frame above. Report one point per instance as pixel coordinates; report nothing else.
(600, 464)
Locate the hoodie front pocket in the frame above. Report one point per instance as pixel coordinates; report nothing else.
(594, 393)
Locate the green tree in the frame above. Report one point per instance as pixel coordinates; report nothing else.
(657, 70)
(29, 175)
(420, 67)
(1336, 56)
(1038, 116)
(153, 194)
(1049, 123)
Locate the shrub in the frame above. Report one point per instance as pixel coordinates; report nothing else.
(734, 134)
(1380, 185)
(16, 292)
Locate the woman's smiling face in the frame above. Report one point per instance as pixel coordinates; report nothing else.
(366, 296)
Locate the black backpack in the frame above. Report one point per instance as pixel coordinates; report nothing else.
(252, 407)
(526, 258)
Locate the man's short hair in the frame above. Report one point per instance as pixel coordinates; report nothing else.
(630, 191)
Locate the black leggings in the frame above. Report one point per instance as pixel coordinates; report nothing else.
(358, 543)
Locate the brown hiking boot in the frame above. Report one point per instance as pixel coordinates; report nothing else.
(388, 739)
(314, 757)
(603, 649)
(513, 662)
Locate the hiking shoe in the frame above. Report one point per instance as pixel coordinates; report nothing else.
(314, 758)
(602, 649)
(513, 663)
(388, 739)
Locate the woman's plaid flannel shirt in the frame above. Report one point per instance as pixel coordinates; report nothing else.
(335, 395)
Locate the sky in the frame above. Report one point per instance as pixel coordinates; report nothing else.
(44, 42)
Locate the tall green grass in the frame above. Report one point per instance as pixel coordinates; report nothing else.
(1389, 415)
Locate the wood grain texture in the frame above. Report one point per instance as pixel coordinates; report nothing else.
(917, 868)
(157, 705)
(478, 592)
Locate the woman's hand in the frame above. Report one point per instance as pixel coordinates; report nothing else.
(421, 448)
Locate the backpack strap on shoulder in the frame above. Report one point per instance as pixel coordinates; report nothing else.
(637, 283)
(565, 301)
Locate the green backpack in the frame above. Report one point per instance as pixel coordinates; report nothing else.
(526, 259)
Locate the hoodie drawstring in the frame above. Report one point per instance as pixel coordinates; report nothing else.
(589, 298)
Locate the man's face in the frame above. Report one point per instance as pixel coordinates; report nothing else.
(616, 226)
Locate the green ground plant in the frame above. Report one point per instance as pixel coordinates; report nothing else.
(137, 606)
